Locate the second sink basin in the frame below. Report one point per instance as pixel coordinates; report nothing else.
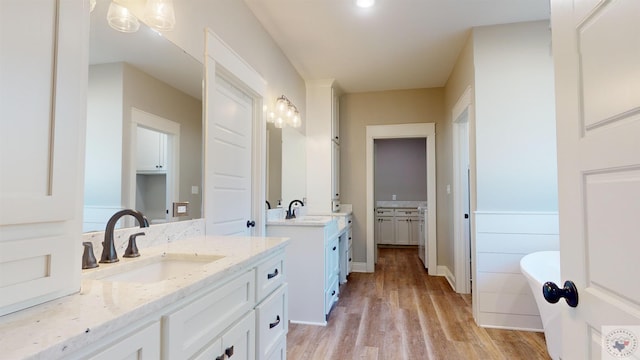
(153, 269)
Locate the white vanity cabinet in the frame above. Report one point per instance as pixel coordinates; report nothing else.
(313, 265)
(397, 226)
(143, 344)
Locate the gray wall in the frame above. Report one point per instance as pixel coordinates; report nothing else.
(400, 168)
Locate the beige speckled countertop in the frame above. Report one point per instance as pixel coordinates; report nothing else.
(62, 326)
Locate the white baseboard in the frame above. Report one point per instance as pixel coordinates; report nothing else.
(444, 271)
(360, 267)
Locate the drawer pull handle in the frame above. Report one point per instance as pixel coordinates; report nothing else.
(272, 275)
(349, 259)
(221, 357)
(229, 351)
(333, 292)
(334, 248)
(276, 323)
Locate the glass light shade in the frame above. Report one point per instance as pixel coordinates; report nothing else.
(92, 5)
(279, 122)
(159, 14)
(121, 19)
(271, 117)
(295, 121)
(290, 111)
(365, 3)
(281, 105)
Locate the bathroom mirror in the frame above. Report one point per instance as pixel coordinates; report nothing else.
(143, 89)
(286, 165)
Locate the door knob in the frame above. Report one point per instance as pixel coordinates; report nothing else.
(552, 293)
(251, 223)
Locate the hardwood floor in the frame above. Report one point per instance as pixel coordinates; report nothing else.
(400, 312)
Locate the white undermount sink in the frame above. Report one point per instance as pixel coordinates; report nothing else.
(152, 269)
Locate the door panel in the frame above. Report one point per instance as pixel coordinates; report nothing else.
(231, 145)
(596, 51)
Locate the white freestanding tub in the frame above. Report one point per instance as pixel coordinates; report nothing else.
(538, 268)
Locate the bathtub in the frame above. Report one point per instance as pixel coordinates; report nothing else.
(538, 268)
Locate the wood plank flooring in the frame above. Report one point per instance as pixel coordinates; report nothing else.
(400, 312)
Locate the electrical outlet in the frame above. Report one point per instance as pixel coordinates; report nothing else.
(195, 190)
(393, 197)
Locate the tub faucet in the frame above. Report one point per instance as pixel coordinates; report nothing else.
(290, 214)
(108, 248)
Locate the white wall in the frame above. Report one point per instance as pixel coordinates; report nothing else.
(515, 153)
(515, 118)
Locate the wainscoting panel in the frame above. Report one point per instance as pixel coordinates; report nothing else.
(502, 239)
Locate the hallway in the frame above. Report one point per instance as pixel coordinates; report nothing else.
(400, 312)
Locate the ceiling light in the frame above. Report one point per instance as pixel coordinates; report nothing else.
(365, 3)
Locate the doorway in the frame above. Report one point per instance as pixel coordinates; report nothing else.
(420, 130)
(154, 165)
(463, 267)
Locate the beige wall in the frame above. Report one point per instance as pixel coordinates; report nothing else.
(155, 97)
(461, 77)
(375, 108)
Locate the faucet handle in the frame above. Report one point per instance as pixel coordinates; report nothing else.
(88, 259)
(132, 248)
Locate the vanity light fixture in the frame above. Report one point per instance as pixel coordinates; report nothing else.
(92, 5)
(285, 113)
(365, 3)
(121, 19)
(159, 15)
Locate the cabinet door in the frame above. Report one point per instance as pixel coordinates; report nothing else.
(335, 116)
(414, 230)
(403, 230)
(272, 322)
(385, 233)
(150, 150)
(44, 70)
(239, 342)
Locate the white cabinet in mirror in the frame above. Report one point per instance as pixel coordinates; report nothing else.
(137, 81)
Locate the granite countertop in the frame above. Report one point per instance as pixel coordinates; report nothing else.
(307, 220)
(62, 326)
(400, 204)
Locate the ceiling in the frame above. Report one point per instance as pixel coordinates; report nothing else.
(397, 44)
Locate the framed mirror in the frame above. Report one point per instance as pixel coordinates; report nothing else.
(144, 126)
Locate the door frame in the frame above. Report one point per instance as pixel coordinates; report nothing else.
(462, 247)
(230, 66)
(418, 130)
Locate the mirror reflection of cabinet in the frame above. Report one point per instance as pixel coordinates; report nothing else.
(151, 151)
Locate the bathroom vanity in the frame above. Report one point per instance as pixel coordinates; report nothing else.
(201, 297)
(313, 261)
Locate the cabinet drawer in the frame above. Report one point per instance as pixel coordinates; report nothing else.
(143, 344)
(237, 343)
(271, 321)
(384, 212)
(279, 352)
(187, 330)
(407, 212)
(331, 296)
(269, 275)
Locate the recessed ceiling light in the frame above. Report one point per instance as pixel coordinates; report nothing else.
(365, 3)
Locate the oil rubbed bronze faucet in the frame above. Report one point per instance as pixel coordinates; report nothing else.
(290, 213)
(108, 248)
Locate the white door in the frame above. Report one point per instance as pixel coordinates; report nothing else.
(235, 173)
(230, 130)
(596, 49)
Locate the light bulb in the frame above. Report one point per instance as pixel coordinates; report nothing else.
(290, 111)
(281, 104)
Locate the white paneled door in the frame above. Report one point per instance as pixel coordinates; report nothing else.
(234, 192)
(231, 150)
(596, 47)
